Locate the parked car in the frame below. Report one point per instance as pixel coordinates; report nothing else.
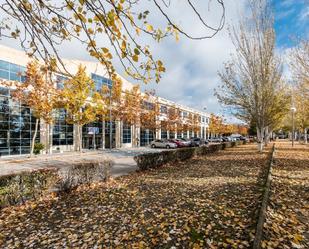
(178, 142)
(162, 144)
(226, 139)
(186, 142)
(196, 142)
(215, 140)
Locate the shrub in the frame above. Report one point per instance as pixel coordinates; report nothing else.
(84, 173)
(38, 147)
(18, 188)
(157, 159)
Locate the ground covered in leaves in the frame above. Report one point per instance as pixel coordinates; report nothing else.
(206, 202)
(287, 223)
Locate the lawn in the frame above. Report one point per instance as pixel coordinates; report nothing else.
(206, 202)
(287, 223)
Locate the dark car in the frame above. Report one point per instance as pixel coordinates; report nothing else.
(196, 142)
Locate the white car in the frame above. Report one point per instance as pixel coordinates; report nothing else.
(163, 144)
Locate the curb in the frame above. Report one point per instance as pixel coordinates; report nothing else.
(262, 213)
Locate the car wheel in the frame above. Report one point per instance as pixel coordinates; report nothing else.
(153, 146)
(167, 147)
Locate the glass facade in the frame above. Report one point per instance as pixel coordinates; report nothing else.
(146, 137)
(126, 133)
(17, 125)
(92, 135)
(163, 134)
(62, 131)
(172, 135)
(60, 81)
(11, 71)
(163, 109)
(100, 81)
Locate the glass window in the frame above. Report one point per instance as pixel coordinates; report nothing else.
(12, 71)
(163, 134)
(126, 133)
(163, 109)
(100, 81)
(146, 136)
(4, 91)
(4, 65)
(15, 126)
(62, 131)
(4, 74)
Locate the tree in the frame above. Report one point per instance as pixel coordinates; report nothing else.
(150, 111)
(301, 99)
(215, 124)
(38, 94)
(300, 68)
(75, 98)
(43, 25)
(172, 119)
(252, 82)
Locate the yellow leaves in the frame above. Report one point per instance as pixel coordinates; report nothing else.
(135, 58)
(149, 27)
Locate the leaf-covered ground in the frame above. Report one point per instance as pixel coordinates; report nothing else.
(287, 223)
(208, 202)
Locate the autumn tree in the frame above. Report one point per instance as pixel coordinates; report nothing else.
(301, 99)
(196, 124)
(38, 94)
(150, 112)
(300, 69)
(75, 98)
(252, 82)
(132, 108)
(215, 124)
(172, 118)
(41, 26)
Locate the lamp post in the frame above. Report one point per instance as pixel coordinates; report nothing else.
(293, 109)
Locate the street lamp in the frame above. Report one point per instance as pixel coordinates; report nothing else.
(293, 110)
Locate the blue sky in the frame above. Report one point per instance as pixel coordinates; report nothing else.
(291, 21)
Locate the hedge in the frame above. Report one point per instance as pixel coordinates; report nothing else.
(157, 159)
(17, 188)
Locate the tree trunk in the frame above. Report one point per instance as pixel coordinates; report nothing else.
(103, 133)
(34, 136)
(80, 138)
(260, 138)
(305, 138)
(267, 134)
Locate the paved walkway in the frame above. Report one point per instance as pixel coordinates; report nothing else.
(122, 158)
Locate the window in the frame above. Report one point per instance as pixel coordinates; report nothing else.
(163, 134)
(62, 131)
(11, 71)
(126, 133)
(172, 134)
(148, 105)
(100, 81)
(17, 125)
(146, 136)
(184, 114)
(60, 81)
(163, 109)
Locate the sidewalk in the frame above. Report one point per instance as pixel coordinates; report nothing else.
(123, 161)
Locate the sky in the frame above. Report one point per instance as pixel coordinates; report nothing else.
(192, 66)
